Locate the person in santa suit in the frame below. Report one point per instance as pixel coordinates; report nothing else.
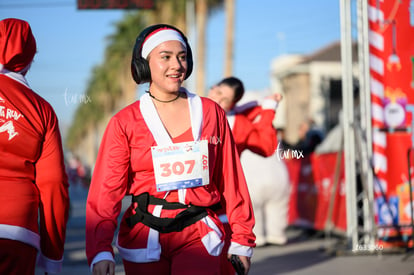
(251, 123)
(256, 140)
(269, 186)
(173, 152)
(33, 182)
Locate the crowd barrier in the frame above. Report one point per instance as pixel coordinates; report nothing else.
(317, 198)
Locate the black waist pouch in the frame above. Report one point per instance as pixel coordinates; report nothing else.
(189, 216)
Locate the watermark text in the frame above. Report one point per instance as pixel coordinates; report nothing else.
(288, 153)
(71, 98)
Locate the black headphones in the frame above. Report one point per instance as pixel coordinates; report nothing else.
(139, 65)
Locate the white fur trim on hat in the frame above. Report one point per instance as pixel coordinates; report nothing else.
(160, 37)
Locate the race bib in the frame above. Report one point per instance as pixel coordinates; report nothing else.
(180, 165)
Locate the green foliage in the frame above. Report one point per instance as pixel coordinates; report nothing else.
(104, 87)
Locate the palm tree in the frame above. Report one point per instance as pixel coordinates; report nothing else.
(168, 12)
(203, 9)
(111, 86)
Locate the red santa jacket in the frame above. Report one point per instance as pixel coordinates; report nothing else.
(33, 183)
(124, 166)
(32, 171)
(253, 129)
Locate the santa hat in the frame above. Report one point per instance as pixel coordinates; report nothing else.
(160, 36)
(17, 45)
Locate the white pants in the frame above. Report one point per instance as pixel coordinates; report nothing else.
(269, 187)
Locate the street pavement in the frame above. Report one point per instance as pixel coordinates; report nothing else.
(303, 254)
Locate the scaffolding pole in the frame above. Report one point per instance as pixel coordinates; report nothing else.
(348, 130)
(365, 122)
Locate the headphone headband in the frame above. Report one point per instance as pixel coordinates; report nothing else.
(139, 65)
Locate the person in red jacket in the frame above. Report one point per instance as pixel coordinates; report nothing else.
(252, 128)
(33, 183)
(173, 152)
(251, 123)
(269, 185)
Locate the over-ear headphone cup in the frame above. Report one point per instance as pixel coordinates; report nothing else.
(140, 70)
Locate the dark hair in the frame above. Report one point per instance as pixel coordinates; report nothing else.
(236, 85)
(139, 66)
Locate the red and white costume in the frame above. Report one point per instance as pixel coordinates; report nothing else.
(266, 174)
(124, 166)
(34, 188)
(252, 127)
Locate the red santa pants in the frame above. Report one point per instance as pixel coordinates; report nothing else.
(17, 257)
(182, 253)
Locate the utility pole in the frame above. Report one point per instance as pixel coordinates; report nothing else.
(191, 32)
(229, 39)
(201, 19)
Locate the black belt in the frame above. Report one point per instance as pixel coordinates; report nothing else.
(189, 216)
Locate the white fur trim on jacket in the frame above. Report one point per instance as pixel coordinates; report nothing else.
(157, 129)
(15, 76)
(231, 119)
(154, 123)
(238, 249)
(49, 265)
(17, 233)
(212, 241)
(24, 235)
(151, 253)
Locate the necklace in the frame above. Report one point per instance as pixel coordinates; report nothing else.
(164, 101)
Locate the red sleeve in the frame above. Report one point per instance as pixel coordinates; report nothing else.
(107, 189)
(261, 137)
(51, 179)
(234, 189)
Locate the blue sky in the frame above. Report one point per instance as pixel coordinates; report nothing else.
(71, 42)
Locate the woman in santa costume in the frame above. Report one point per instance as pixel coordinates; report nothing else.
(173, 152)
(34, 188)
(256, 140)
(251, 123)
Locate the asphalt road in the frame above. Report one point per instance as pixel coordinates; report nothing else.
(303, 254)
